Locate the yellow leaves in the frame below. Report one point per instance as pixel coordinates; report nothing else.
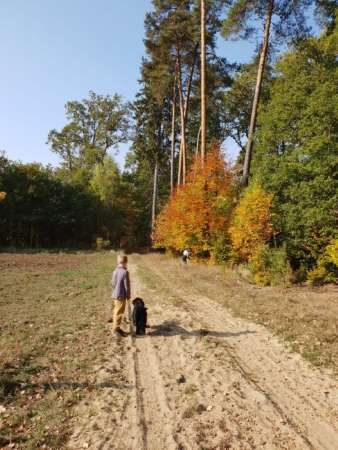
(3, 195)
(326, 270)
(251, 225)
(332, 252)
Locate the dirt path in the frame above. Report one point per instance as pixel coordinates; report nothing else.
(202, 379)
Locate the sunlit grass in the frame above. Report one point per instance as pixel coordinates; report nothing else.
(53, 311)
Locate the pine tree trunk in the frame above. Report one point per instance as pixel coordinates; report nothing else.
(181, 174)
(153, 208)
(253, 119)
(203, 84)
(198, 142)
(173, 121)
(184, 160)
(189, 83)
(184, 106)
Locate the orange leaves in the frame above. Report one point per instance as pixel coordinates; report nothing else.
(2, 196)
(201, 217)
(198, 213)
(251, 225)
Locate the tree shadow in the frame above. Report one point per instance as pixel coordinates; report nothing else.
(172, 328)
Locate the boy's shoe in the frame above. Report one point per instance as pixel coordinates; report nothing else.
(120, 333)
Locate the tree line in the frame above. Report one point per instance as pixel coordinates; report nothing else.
(280, 109)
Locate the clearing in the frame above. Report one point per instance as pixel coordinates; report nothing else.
(220, 367)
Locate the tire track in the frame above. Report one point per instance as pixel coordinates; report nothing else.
(140, 402)
(150, 391)
(250, 379)
(289, 401)
(303, 414)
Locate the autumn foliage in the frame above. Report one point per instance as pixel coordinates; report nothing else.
(197, 214)
(326, 270)
(251, 223)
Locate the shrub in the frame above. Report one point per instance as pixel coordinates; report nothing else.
(270, 266)
(326, 270)
(102, 244)
(221, 250)
(251, 224)
(299, 275)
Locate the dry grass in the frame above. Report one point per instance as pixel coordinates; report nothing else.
(53, 311)
(303, 316)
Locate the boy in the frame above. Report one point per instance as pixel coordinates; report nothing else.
(121, 293)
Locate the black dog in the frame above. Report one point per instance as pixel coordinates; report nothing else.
(139, 315)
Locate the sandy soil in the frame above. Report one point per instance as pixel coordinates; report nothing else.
(203, 379)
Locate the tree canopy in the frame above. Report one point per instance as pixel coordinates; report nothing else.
(95, 125)
(296, 154)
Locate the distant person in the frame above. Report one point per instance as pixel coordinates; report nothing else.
(185, 256)
(121, 293)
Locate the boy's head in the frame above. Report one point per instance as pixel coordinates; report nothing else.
(122, 260)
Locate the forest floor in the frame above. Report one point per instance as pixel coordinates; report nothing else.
(224, 364)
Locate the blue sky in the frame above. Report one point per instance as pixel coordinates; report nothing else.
(57, 50)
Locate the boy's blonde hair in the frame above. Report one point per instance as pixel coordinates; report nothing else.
(122, 259)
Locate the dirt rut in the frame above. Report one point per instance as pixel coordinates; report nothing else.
(202, 379)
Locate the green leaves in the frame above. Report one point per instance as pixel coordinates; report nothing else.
(95, 125)
(289, 19)
(106, 181)
(236, 21)
(296, 149)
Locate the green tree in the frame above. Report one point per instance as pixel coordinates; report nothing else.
(151, 144)
(326, 13)
(237, 103)
(94, 126)
(42, 210)
(297, 153)
(172, 66)
(105, 182)
(289, 23)
(113, 200)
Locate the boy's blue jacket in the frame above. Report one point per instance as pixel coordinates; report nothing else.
(121, 283)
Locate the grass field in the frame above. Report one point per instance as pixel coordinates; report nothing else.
(53, 325)
(53, 313)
